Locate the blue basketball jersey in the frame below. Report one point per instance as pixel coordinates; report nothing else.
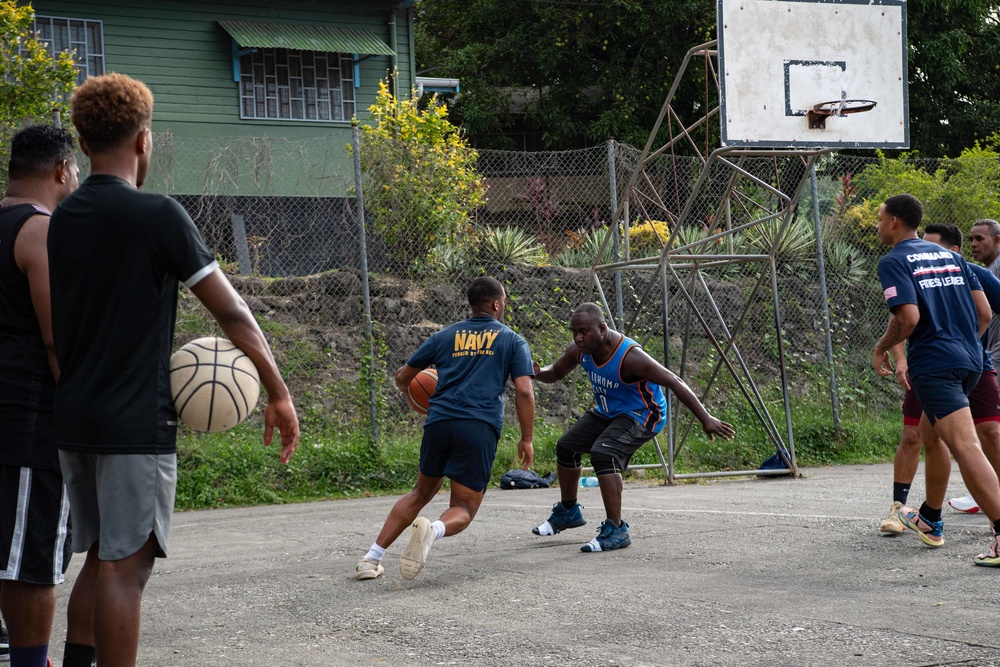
(643, 401)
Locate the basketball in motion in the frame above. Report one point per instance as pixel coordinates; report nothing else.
(214, 384)
(421, 388)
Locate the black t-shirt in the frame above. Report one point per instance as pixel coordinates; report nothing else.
(26, 384)
(115, 257)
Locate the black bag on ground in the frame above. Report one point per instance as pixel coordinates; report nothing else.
(525, 479)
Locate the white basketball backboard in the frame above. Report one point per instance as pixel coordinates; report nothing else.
(778, 59)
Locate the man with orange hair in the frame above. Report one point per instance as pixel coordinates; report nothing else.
(116, 255)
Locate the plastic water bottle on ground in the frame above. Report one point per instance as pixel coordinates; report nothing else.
(589, 482)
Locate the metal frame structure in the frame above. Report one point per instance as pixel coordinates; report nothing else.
(748, 198)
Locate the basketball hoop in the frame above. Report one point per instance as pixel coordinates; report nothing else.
(820, 112)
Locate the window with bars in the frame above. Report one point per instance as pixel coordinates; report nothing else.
(84, 38)
(284, 84)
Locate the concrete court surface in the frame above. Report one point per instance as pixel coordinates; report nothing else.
(737, 571)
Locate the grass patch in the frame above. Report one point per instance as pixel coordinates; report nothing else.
(338, 461)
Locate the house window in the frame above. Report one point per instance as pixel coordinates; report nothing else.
(285, 84)
(85, 39)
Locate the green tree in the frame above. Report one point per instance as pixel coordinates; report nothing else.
(33, 84)
(953, 190)
(590, 70)
(954, 74)
(581, 71)
(422, 182)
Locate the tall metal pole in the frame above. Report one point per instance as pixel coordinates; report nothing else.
(613, 176)
(363, 251)
(820, 263)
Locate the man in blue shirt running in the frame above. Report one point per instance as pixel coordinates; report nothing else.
(984, 404)
(629, 410)
(937, 303)
(473, 358)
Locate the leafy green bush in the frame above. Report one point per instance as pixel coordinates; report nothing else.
(33, 85)
(427, 174)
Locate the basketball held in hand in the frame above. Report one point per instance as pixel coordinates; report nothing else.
(214, 384)
(421, 388)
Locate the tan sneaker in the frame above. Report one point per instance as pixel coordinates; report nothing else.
(368, 569)
(415, 554)
(891, 525)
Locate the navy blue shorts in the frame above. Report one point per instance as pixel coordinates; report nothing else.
(463, 450)
(944, 392)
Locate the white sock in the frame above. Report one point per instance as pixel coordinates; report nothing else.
(375, 553)
(438, 527)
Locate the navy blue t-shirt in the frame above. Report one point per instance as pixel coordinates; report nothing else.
(939, 283)
(991, 288)
(473, 359)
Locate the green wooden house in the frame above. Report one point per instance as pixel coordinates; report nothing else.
(253, 108)
(229, 75)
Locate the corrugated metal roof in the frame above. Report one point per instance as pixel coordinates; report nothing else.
(305, 38)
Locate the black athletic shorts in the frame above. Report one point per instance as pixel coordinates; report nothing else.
(34, 525)
(945, 392)
(462, 450)
(618, 438)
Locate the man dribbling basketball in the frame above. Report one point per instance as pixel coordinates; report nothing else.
(115, 257)
(473, 359)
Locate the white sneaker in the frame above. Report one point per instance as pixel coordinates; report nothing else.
(891, 525)
(368, 569)
(415, 554)
(966, 504)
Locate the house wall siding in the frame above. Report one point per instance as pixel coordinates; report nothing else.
(179, 50)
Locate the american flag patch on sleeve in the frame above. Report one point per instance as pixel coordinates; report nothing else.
(889, 292)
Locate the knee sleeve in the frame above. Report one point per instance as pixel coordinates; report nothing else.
(604, 463)
(566, 457)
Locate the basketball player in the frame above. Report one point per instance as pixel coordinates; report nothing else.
(630, 409)
(984, 404)
(937, 304)
(34, 510)
(116, 255)
(473, 359)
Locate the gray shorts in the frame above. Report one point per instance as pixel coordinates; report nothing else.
(119, 500)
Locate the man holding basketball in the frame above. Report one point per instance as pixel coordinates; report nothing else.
(116, 255)
(34, 510)
(473, 359)
(630, 409)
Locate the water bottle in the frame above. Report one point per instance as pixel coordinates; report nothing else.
(589, 482)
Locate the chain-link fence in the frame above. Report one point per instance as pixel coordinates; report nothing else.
(283, 219)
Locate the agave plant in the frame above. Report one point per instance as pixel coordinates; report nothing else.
(846, 264)
(585, 248)
(798, 243)
(510, 245)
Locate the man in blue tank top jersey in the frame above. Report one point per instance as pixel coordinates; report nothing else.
(473, 358)
(34, 508)
(629, 410)
(937, 303)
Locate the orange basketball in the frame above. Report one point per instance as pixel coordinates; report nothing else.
(421, 388)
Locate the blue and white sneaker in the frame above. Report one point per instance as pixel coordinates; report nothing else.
(561, 519)
(609, 537)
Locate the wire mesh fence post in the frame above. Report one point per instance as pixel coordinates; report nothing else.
(619, 307)
(820, 265)
(363, 256)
